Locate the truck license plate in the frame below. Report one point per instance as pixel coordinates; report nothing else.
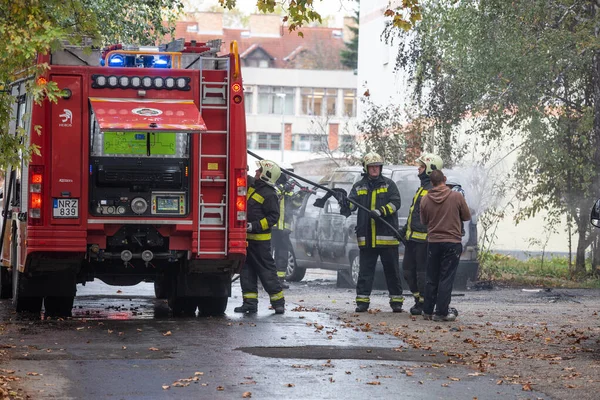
(66, 208)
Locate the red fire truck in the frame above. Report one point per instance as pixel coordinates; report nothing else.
(141, 177)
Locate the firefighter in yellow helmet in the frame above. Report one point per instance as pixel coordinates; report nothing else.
(380, 195)
(414, 263)
(262, 214)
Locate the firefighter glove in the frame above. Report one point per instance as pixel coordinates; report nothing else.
(375, 214)
(249, 227)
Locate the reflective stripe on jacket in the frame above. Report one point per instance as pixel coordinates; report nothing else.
(262, 209)
(415, 230)
(380, 194)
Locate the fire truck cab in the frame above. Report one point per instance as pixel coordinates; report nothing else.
(141, 177)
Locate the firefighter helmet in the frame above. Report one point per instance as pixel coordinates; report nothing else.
(371, 159)
(431, 162)
(270, 171)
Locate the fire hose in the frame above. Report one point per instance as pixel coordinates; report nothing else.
(336, 194)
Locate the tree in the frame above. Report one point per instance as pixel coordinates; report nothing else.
(350, 54)
(524, 70)
(31, 27)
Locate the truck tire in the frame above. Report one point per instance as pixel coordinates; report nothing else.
(58, 306)
(294, 273)
(5, 283)
(182, 306)
(22, 302)
(212, 306)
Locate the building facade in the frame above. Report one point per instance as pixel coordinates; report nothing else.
(301, 103)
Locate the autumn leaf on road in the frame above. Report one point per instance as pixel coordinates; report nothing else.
(165, 387)
(220, 388)
(167, 333)
(153, 349)
(526, 387)
(290, 385)
(374, 383)
(246, 395)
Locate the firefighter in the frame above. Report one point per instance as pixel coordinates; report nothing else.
(414, 263)
(380, 195)
(288, 202)
(263, 213)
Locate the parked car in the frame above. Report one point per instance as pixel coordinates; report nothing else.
(322, 238)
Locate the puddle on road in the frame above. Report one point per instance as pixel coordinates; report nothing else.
(347, 353)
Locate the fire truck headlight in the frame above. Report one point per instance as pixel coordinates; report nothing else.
(136, 81)
(159, 82)
(147, 82)
(181, 83)
(170, 83)
(124, 81)
(101, 80)
(113, 81)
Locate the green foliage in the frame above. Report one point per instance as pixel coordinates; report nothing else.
(350, 53)
(523, 71)
(32, 27)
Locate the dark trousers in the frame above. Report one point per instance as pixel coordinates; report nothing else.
(260, 265)
(391, 268)
(414, 265)
(281, 248)
(442, 262)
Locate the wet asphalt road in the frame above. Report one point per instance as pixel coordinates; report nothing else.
(127, 346)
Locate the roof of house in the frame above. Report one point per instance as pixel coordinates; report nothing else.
(320, 46)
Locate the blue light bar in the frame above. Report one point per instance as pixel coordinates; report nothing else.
(116, 60)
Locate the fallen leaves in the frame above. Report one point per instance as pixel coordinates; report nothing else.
(153, 349)
(246, 395)
(167, 333)
(374, 383)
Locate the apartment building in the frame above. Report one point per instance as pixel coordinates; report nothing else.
(300, 102)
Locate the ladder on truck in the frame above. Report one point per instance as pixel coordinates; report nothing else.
(214, 99)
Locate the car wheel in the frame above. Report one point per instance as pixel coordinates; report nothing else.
(294, 273)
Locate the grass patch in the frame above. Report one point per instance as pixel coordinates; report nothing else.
(550, 272)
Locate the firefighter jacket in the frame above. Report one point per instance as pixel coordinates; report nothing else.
(414, 229)
(376, 194)
(263, 210)
(288, 203)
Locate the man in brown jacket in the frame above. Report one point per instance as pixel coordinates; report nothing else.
(442, 210)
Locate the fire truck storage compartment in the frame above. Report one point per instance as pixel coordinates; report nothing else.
(139, 186)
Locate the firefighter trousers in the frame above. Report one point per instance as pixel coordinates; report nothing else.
(414, 266)
(260, 265)
(281, 248)
(442, 263)
(366, 274)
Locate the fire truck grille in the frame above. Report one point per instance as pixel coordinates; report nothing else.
(128, 176)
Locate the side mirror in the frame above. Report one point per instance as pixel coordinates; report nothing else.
(595, 216)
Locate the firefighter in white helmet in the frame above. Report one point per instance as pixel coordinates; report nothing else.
(375, 239)
(262, 214)
(414, 263)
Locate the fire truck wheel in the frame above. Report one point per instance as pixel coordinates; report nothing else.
(58, 306)
(182, 306)
(5, 284)
(212, 306)
(30, 304)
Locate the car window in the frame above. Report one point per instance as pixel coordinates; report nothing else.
(407, 183)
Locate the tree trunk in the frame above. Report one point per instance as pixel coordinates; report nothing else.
(582, 244)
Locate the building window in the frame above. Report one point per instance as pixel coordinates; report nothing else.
(192, 28)
(349, 103)
(270, 102)
(268, 141)
(318, 101)
(312, 143)
(248, 99)
(347, 143)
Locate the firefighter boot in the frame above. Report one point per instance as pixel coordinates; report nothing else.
(247, 307)
(283, 283)
(417, 309)
(279, 306)
(362, 307)
(396, 306)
